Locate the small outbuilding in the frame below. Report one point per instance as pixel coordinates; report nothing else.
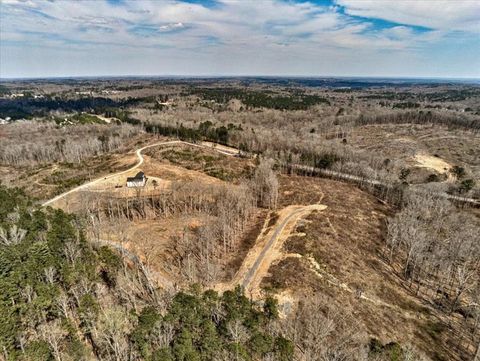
(138, 181)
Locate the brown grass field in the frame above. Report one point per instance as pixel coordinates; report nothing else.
(339, 253)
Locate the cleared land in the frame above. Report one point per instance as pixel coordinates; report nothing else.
(339, 253)
(160, 176)
(435, 163)
(327, 238)
(415, 146)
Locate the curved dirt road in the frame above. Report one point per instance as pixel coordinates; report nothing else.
(267, 249)
(216, 147)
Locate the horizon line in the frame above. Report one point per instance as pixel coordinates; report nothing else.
(191, 76)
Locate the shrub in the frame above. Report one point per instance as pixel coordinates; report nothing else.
(466, 185)
(458, 171)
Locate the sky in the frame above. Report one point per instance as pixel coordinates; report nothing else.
(381, 38)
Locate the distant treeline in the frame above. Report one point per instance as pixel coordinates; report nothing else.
(406, 105)
(450, 95)
(388, 95)
(30, 107)
(421, 117)
(260, 99)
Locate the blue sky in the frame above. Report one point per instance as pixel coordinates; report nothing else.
(393, 38)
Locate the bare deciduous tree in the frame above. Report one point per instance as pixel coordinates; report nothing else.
(111, 332)
(265, 184)
(53, 334)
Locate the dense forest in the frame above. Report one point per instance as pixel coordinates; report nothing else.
(257, 99)
(30, 107)
(62, 299)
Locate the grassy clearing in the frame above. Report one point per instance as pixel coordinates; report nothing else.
(79, 118)
(223, 167)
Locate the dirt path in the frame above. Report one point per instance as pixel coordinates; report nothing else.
(89, 184)
(106, 120)
(219, 148)
(267, 249)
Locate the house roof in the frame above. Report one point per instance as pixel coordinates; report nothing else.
(138, 177)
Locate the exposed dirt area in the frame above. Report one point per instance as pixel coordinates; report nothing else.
(339, 253)
(435, 163)
(421, 145)
(159, 178)
(151, 240)
(154, 241)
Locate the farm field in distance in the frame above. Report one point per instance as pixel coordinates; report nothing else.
(315, 218)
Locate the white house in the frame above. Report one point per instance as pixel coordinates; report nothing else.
(138, 181)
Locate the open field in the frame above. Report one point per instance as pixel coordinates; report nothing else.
(207, 161)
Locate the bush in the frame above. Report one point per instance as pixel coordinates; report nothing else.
(270, 307)
(466, 185)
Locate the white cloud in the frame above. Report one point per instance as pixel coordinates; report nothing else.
(266, 35)
(233, 22)
(436, 14)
